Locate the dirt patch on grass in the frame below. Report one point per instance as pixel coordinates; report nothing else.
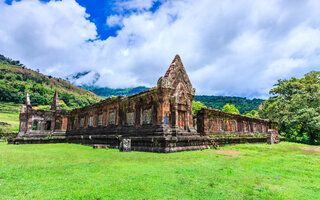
(228, 152)
(316, 149)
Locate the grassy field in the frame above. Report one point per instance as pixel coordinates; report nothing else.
(69, 171)
(9, 113)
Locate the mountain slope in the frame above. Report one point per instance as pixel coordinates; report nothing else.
(83, 78)
(16, 80)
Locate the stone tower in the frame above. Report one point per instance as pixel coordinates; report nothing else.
(181, 93)
(26, 109)
(55, 102)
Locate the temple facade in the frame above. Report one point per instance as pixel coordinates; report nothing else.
(157, 120)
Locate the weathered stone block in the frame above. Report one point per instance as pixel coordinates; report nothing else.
(125, 145)
(273, 137)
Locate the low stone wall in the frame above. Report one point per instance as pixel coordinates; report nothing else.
(240, 140)
(227, 128)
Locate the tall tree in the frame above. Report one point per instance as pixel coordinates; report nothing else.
(252, 113)
(295, 103)
(196, 106)
(231, 108)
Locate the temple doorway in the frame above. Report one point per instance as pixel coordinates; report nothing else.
(182, 124)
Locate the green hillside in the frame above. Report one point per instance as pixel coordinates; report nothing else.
(16, 80)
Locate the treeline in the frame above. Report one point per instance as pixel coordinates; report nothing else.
(242, 104)
(9, 61)
(108, 92)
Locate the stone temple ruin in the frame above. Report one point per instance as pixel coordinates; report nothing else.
(157, 120)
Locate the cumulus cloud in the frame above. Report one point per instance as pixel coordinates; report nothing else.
(114, 20)
(51, 36)
(228, 47)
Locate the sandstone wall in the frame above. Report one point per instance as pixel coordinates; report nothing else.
(227, 128)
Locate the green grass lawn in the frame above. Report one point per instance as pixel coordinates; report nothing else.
(69, 171)
(9, 113)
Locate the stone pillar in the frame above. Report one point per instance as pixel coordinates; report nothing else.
(23, 119)
(41, 125)
(273, 136)
(28, 102)
(55, 102)
(176, 117)
(125, 145)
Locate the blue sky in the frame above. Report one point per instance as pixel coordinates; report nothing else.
(237, 48)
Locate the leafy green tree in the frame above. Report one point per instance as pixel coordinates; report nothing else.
(63, 105)
(196, 106)
(230, 108)
(252, 113)
(38, 99)
(39, 89)
(296, 105)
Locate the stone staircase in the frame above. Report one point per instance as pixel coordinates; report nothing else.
(213, 143)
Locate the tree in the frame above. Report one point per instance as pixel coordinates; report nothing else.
(252, 113)
(38, 88)
(196, 106)
(296, 105)
(230, 108)
(63, 105)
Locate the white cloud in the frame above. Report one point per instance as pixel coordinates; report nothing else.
(51, 35)
(139, 5)
(228, 47)
(114, 20)
(284, 66)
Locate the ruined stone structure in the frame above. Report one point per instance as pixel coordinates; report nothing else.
(38, 125)
(157, 120)
(227, 128)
